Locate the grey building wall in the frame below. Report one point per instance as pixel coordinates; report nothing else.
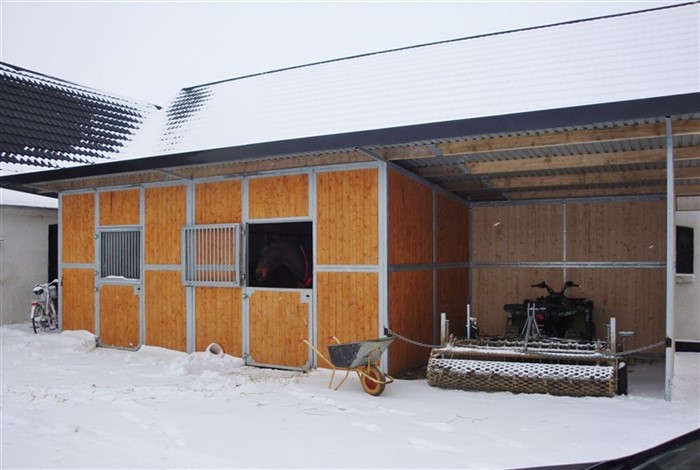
(687, 318)
(24, 239)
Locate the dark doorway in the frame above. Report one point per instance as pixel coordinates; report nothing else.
(53, 252)
(286, 252)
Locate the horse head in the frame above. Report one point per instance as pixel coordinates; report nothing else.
(283, 253)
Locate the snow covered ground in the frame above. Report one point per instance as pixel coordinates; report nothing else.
(66, 404)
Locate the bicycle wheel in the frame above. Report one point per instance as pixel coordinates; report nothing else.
(53, 316)
(37, 315)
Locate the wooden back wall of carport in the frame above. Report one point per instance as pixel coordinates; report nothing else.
(615, 249)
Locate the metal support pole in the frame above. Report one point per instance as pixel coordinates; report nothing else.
(670, 259)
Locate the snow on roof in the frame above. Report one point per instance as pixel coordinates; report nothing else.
(633, 56)
(49, 123)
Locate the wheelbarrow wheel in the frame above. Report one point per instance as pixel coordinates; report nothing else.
(373, 381)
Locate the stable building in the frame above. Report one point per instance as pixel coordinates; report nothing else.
(415, 181)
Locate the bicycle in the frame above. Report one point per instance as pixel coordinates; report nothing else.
(43, 313)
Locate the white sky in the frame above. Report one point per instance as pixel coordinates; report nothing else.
(149, 50)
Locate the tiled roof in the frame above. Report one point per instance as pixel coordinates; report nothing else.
(627, 57)
(50, 123)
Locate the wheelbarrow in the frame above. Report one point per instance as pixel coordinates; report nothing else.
(361, 357)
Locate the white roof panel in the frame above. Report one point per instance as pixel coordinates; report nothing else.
(620, 58)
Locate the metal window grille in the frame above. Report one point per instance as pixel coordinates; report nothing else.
(211, 255)
(120, 254)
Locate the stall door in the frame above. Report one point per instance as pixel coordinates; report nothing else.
(119, 324)
(277, 323)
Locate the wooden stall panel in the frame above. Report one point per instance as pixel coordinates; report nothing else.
(616, 231)
(410, 221)
(219, 319)
(119, 316)
(452, 233)
(495, 287)
(410, 315)
(278, 196)
(347, 307)
(279, 320)
(347, 220)
(517, 233)
(165, 216)
(78, 228)
(120, 207)
(452, 298)
(218, 202)
(165, 310)
(78, 299)
(635, 297)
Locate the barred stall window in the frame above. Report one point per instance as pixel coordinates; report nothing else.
(120, 254)
(211, 255)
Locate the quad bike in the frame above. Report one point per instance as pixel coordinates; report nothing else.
(556, 314)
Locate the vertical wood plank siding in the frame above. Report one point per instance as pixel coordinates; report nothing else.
(165, 310)
(411, 314)
(165, 216)
(495, 287)
(278, 323)
(616, 231)
(452, 298)
(608, 232)
(218, 202)
(635, 297)
(219, 318)
(410, 221)
(452, 233)
(347, 214)
(278, 196)
(78, 299)
(347, 307)
(78, 226)
(517, 233)
(120, 207)
(119, 316)
(219, 310)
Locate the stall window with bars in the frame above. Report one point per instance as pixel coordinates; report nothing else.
(120, 254)
(211, 255)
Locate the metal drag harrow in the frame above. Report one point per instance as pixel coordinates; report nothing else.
(361, 357)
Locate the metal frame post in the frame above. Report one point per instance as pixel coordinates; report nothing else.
(670, 260)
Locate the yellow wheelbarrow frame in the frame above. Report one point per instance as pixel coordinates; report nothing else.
(361, 357)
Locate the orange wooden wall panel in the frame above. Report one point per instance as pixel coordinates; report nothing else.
(78, 228)
(278, 196)
(616, 231)
(517, 233)
(120, 207)
(219, 319)
(165, 216)
(635, 297)
(347, 307)
(451, 231)
(410, 315)
(119, 316)
(347, 217)
(495, 287)
(165, 310)
(218, 202)
(410, 221)
(278, 323)
(78, 299)
(452, 297)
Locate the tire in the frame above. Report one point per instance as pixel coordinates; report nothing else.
(370, 386)
(53, 316)
(37, 314)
